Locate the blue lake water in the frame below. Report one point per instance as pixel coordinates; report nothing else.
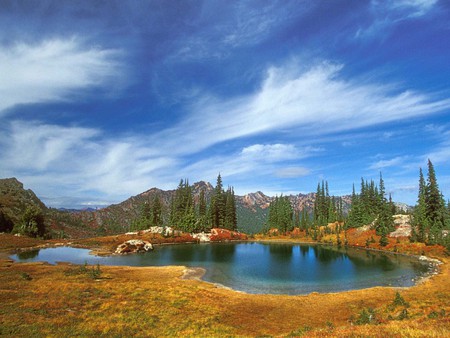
(263, 267)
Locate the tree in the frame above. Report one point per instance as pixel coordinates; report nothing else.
(431, 215)
(6, 225)
(419, 217)
(218, 202)
(281, 214)
(230, 222)
(32, 223)
(156, 212)
(183, 210)
(435, 205)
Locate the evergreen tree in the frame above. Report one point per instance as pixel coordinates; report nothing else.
(281, 214)
(156, 212)
(433, 199)
(371, 206)
(419, 217)
(32, 223)
(6, 225)
(218, 203)
(202, 204)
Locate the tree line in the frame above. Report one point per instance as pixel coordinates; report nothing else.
(431, 217)
(370, 206)
(189, 214)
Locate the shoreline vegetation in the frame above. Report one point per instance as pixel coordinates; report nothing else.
(165, 301)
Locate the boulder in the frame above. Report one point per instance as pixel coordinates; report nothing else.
(202, 237)
(403, 226)
(133, 246)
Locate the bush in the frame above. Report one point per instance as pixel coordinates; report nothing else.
(403, 315)
(25, 276)
(32, 223)
(399, 300)
(366, 316)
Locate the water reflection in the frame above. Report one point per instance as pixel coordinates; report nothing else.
(222, 252)
(327, 255)
(29, 254)
(263, 268)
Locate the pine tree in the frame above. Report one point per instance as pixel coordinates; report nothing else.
(218, 203)
(433, 199)
(202, 204)
(419, 217)
(156, 212)
(281, 214)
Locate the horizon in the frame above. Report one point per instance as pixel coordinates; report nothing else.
(101, 101)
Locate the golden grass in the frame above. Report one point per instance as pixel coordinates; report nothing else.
(63, 300)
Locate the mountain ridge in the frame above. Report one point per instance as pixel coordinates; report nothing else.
(252, 209)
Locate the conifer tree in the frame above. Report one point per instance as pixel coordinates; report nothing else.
(218, 205)
(433, 200)
(281, 214)
(420, 219)
(156, 212)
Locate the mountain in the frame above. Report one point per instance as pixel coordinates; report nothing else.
(14, 199)
(252, 209)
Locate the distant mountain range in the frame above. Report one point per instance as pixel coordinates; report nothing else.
(252, 209)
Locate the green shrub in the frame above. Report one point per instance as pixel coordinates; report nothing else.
(399, 300)
(366, 316)
(25, 276)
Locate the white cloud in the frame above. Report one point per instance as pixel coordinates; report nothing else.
(441, 153)
(411, 8)
(396, 161)
(49, 71)
(78, 160)
(265, 159)
(292, 172)
(270, 152)
(305, 101)
(36, 146)
(387, 13)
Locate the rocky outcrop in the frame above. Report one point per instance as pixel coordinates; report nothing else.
(134, 246)
(202, 237)
(219, 235)
(403, 226)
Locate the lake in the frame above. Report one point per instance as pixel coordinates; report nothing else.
(263, 267)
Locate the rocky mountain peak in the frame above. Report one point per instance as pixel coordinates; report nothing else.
(256, 199)
(202, 185)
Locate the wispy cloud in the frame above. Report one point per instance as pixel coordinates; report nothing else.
(265, 159)
(79, 160)
(309, 102)
(242, 25)
(51, 70)
(292, 172)
(396, 161)
(441, 153)
(388, 13)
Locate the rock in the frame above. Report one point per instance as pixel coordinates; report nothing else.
(402, 222)
(219, 235)
(165, 231)
(202, 237)
(133, 246)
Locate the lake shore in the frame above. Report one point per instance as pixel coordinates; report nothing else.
(60, 299)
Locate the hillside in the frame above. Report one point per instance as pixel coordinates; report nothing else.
(252, 210)
(14, 200)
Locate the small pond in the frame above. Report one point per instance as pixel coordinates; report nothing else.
(263, 267)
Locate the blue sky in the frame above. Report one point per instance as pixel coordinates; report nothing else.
(102, 100)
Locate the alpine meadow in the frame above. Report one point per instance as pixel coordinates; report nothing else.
(220, 168)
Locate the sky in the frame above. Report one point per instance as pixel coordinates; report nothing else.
(102, 100)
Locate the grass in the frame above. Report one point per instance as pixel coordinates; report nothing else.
(65, 300)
